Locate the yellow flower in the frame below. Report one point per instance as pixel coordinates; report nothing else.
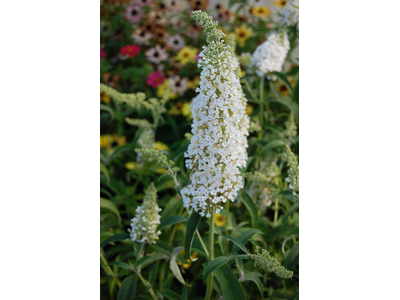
(104, 140)
(280, 3)
(161, 171)
(186, 109)
(186, 55)
(242, 34)
(161, 146)
(104, 97)
(220, 220)
(283, 89)
(118, 140)
(260, 11)
(249, 109)
(131, 165)
(193, 84)
(161, 89)
(189, 261)
(242, 73)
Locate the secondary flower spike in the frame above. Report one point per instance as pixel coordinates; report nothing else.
(218, 146)
(145, 223)
(270, 55)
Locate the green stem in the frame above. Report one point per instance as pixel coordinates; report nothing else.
(211, 249)
(261, 120)
(108, 269)
(147, 284)
(202, 243)
(276, 208)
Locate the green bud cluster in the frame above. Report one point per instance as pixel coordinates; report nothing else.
(254, 127)
(258, 177)
(138, 122)
(210, 27)
(293, 164)
(291, 130)
(135, 101)
(161, 159)
(264, 260)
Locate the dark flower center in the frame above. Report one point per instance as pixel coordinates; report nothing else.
(134, 12)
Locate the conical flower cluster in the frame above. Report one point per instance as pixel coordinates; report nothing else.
(220, 126)
(270, 55)
(145, 223)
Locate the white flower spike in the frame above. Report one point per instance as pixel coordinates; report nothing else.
(220, 126)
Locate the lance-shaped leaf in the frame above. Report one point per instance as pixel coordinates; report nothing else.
(192, 225)
(174, 266)
(214, 265)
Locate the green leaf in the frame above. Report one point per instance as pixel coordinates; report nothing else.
(214, 265)
(237, 243)
(148, 259)
(172, 220)
(254, 276)
(116, 237)
(108, 109)
(174, 266)
(251, 207)
(284, 79)
(171, 295)
(271, 145)
(192, 225)
(119, 264)
(107, 204)
(293, 257)
(184, 293)
(128, 287)
(245, 237)
(291, 210)
(230, 286)
(104, 170)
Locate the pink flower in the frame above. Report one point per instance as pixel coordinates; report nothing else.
(102, 53)
(155, 79)
(133, 13)
(130, 50)
(197, 56)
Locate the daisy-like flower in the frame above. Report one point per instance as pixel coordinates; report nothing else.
(270, 55)
(223, 15)
(159, 33)
(176, 42)
(260, 11)
(141, 37)
(242, 34)
(174, 5)
(130, 50)
(186, 55)
(178, 85)
(290, 13)
(280, 3)
(155, 79)
(133, 13)
(218, 145)
(102, 54)
(158, 17)
(198, 4)
(144, 224)
(157, 54)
